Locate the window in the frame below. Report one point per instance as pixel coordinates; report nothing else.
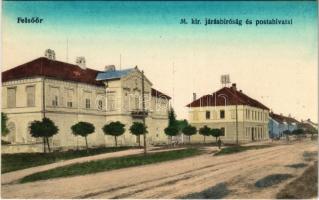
(223, 131)
(207, 115)
(69, 104)
(55, 101)
(247, 114)
(69, 97)
(137, 102)
(30, 96)
(100, 104)
(110, 102)
(54, 93)
(87, 103)
(222, 114)
(11, 101)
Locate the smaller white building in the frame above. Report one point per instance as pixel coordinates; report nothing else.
(240, 117)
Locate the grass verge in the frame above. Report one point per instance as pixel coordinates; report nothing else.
(304, 187)
(13, 162)
(110, 164)
(237, 149)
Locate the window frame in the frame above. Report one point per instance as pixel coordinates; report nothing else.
(207, 114)
(87, 103)
(12, 103)
(222, 114)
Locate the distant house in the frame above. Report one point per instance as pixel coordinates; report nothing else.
(238, 115)
(279, 123)
(311, 123)
(308, 126)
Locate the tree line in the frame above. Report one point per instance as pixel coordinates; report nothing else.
(175, 127)
(46, 129)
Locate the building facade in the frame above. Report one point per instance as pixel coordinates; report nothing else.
(69, 93)
(239, 116)
(280, 123)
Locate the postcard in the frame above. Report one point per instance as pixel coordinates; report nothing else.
(159, 99)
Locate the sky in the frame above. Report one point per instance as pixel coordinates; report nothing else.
(275, 64)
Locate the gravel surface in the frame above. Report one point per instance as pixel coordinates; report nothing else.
(179, 178)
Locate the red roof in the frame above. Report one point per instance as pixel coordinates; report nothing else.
(282, 118)
(232, 97)
(159, 94)
(45, 67)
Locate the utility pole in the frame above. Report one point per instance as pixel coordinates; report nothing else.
(143, 111)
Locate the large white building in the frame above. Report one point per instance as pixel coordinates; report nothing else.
(68, 93)
(240, 117)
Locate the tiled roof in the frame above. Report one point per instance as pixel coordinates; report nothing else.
(109, 75)
(282, 118)
(45, 67)
(306, 126)
(232, 97)
(159, 94)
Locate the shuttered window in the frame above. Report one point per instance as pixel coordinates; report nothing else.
(30, 96)
(11, 101)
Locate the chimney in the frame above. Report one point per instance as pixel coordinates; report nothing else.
(50, 54)
(194, 96)
(80, 61)
(233, 86)
(109, 68)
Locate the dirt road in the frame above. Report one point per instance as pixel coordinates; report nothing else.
(236, 172)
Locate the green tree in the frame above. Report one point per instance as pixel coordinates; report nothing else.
(83, 129)
(45, 129)
(181, 124)
(4, 128)
(215, 132)
(171, 131)
(173, 128)
(189, 130)
(204, 131)
(298, 131)
(138, 129)
(114, 129)
(171, 117)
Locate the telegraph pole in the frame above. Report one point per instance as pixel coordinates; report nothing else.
(143, 111)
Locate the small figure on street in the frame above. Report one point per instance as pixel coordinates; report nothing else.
(219, 142)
